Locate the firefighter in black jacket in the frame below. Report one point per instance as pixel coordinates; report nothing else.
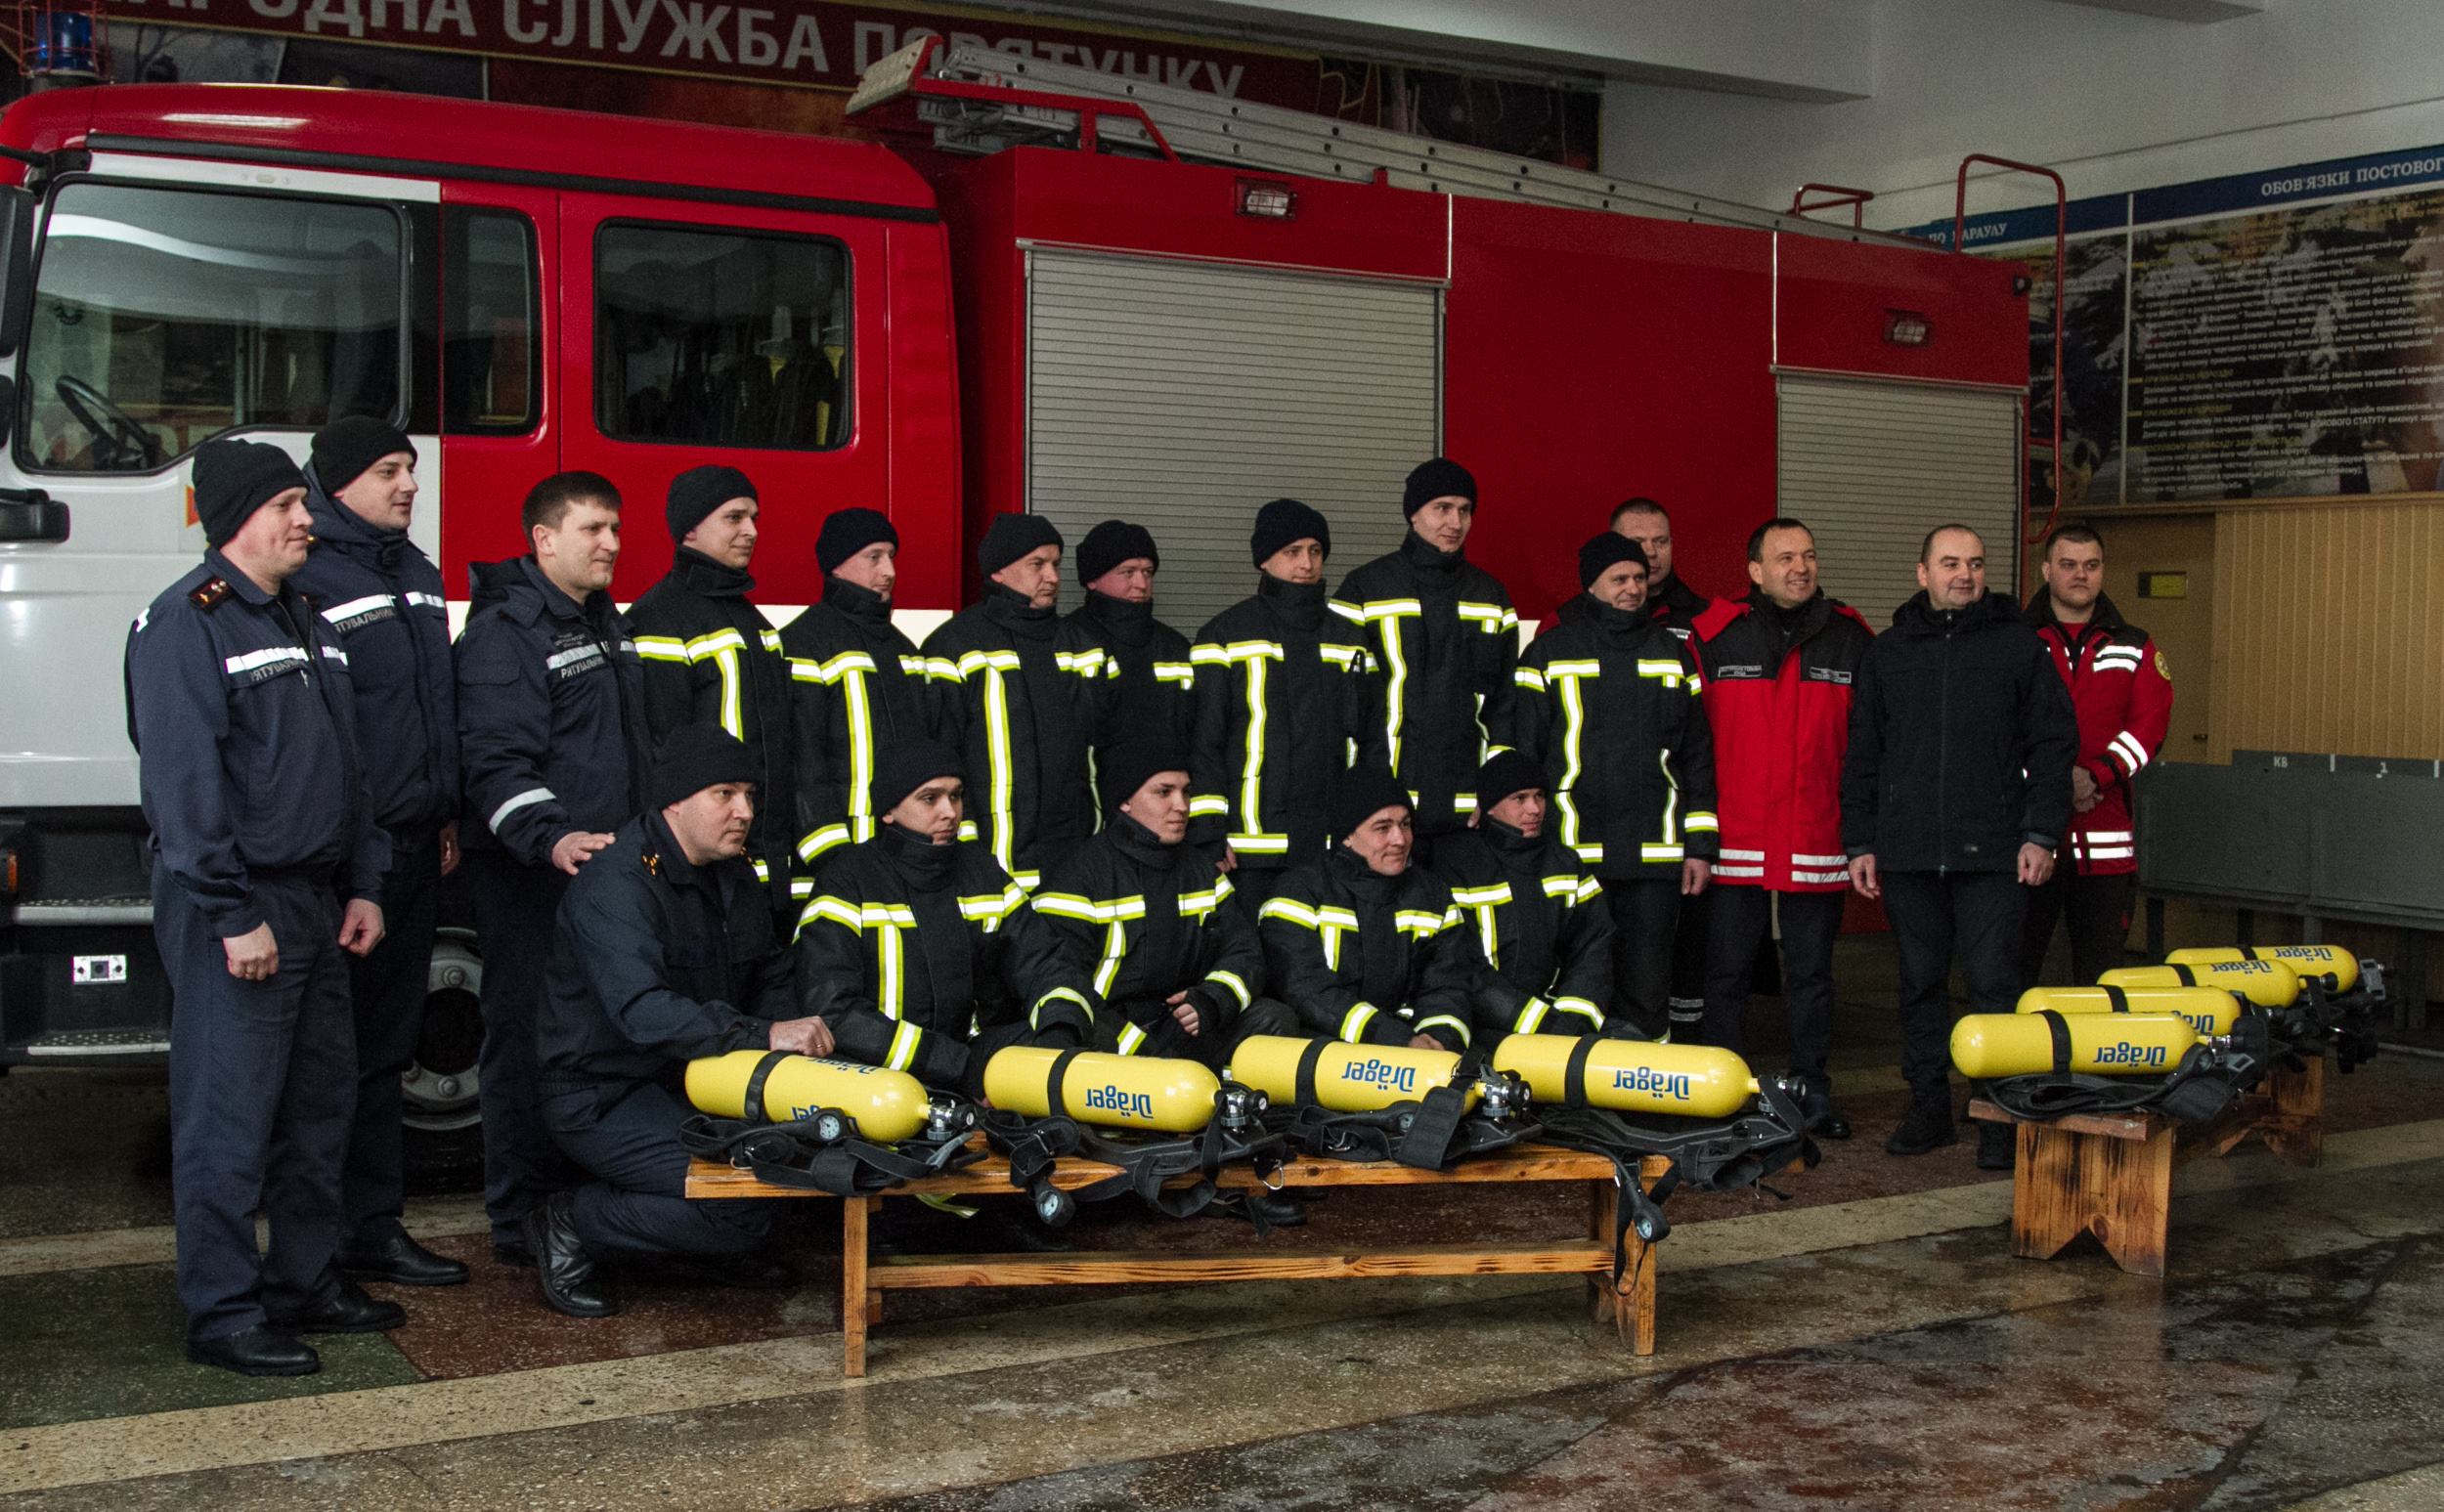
(860, 687)
(1609, 706)
(1172, 953)
(712, 657)
(552, 743)
(1117, 563)
(1366, 947)
(384, 597)
(1542, 926)
(239, 708)
(1447, 640)
(664, 951)
(1955, 791)
(1027, 696)
(1285, 693)
(921, 953)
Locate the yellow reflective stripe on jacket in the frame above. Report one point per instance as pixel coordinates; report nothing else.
(1034, 1015)
(1386, 615)
(1287, 909)
(1456, 1026)
(1354, 1022)
(1590, 1012)
(1564, 677)
(1492, 618)
(1131, 1036)
(1198, 905)
(1531, 1014)
(1236, 984)
(1251, 765)
(1180, 672)
(991, 909)
(1419, 923)
(662, 648)
(903, 1046)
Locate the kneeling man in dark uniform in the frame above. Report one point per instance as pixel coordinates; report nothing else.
(664, 952)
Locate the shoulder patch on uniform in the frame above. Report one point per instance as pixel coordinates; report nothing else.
(211, 595)
(2164, 669)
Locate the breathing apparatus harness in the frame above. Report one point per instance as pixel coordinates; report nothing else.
(1432, 1133)
(823, 1151)
(1235, 1132)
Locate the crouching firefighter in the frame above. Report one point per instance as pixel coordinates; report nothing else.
(920, 953)
(1365, 947)
(1542, 926)
(664, 951)
(1174, 958)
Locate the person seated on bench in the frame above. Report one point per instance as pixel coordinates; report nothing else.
(1174, 957)
(1365, 947)
(663, 952)
(1541, 928)
(920, 952)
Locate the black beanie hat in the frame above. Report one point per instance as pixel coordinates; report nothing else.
(1111, 543)
(1014, 536)
(233, 479)
(906, 768)
(346, 447)
(1363, 793)
(1601, 552)
(1285, 522)
(847, 532)
(692, 759)
(1126, 767)
(1432, 481)
(699, 490)
(1506, 772)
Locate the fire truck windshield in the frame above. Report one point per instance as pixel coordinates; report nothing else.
(164, 316)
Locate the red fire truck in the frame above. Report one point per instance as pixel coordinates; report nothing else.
(1088, 328)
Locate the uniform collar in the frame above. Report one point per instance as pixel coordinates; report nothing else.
(1137, 843)
(857, 601)
(557, 602)
(1298, 605)
(1018, 615)
(1126, 621)
(239, 582)
(665, 856)
(712, 579)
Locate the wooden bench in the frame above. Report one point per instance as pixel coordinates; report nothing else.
(1630, 1309)
(2110, 1174)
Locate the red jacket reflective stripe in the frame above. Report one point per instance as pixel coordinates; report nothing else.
(1781, 722)
(2122, 692)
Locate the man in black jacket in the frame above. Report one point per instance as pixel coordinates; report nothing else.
(664, 952)
(920, 952)
(1287, 698)
(1027, 696)
(1954, 794)
(384, 596)
(1609, 706)
(553, 744)
(711, 656)
(1447, 640)
(1173, 955)
(1541, 928)
(1366, 947)
(1117, 563)
(860, 687)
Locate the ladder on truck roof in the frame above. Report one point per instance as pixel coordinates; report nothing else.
(979, 100)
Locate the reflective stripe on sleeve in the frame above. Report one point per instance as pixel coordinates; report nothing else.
(530, 796)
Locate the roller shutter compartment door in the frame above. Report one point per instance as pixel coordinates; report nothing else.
(1873, 466)
(1184, 395)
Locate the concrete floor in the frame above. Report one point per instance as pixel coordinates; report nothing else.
(1867, 1343)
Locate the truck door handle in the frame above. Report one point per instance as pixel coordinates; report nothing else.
(31, 514)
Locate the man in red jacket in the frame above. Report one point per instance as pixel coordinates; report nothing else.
(1778, 666)
(2122, 692)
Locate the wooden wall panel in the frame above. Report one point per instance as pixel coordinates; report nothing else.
(2328, 631)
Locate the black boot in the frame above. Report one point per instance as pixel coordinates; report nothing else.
(1998, 1146)
(1928, 1127)
(570, 1282)
(402, 1262)
(1823, 1119)
(256, 1351)
(349, 1310)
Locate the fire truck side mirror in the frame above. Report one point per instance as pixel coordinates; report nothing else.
(17, 266)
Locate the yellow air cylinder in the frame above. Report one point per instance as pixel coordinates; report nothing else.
(1699, 1081)
(1988, 1045)
(2266, 983)
(2208, 1010)
(2305, 960)
(1348, 1078)
(1119, 1092)
(888, 1106)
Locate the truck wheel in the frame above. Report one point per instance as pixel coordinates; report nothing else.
(443, 1139)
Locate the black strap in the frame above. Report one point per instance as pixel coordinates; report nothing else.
(2249, 953)
(2061, 1031)
(2189, 978)
(751, 1107)
(2119, 1000)
(1303, 1091)
(1574, 1074)
(1055, 1104)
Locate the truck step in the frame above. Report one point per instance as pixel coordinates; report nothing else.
(85, 913)
(147, 1040)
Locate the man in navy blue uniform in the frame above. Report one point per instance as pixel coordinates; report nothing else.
(665, 952)
(553, 744)
(240, 706)
(384, 596)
